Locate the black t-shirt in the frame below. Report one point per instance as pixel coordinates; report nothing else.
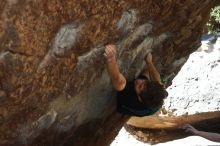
(128, 97)
(128, 103)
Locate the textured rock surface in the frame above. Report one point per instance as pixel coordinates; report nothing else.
(54, 88)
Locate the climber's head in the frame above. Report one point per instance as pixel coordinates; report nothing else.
(151, 93)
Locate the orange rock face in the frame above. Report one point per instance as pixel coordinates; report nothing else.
(54, 88)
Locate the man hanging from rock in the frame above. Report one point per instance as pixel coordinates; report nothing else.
(142, 96)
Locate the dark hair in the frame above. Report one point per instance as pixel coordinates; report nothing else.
(154, 94)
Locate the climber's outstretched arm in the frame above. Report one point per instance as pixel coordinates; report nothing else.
(208, 135)
(117, 79)
(150, 70)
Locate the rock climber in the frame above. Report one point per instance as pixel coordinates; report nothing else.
(142, 96)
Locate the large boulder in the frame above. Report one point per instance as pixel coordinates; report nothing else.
(54, 86)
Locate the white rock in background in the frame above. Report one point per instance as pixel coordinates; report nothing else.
(189, 141)
(195, 88)
(126, 139)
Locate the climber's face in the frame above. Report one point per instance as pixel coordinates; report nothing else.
(140, 85)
